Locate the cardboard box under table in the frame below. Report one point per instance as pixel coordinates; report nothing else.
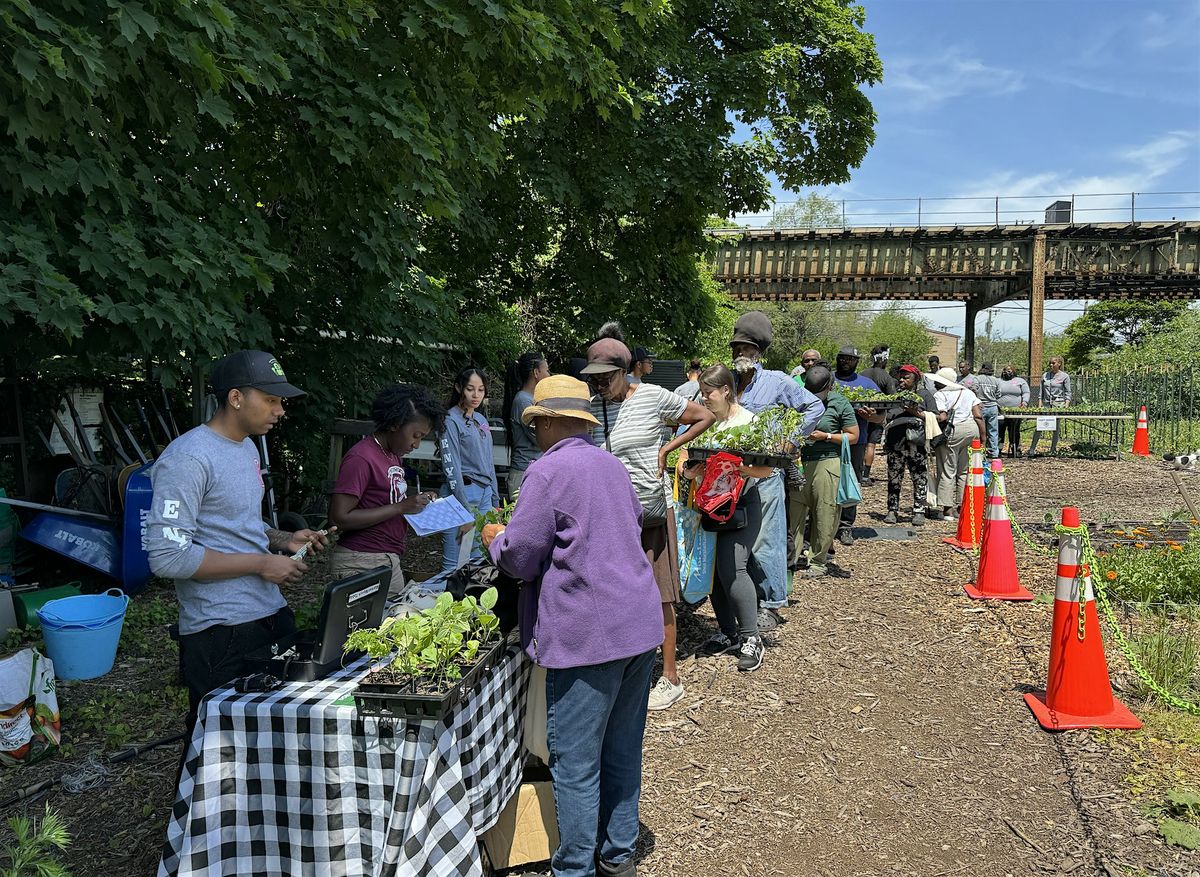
(294, 782)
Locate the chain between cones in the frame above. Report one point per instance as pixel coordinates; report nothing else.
(1088, 560)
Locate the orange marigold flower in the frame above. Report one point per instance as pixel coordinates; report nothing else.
(1119, 532)
(1177, 547)
(1139, 544)
(1110, 575)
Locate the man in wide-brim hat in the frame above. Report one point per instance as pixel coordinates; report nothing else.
(590, 615)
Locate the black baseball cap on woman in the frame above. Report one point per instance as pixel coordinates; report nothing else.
(252, 368)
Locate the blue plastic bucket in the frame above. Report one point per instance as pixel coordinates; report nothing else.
(82, 633)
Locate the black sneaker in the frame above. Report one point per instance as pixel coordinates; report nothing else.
(918, 519)
(717, 644)
(750, 656)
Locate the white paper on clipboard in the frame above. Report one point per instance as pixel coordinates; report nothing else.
(443, 514)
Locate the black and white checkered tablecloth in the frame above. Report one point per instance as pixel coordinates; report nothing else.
(292, 782)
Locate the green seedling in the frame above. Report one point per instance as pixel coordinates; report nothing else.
(434, 646)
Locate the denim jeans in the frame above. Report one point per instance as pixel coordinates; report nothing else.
(991, 423)
(595, 720)
(480, 498)
(770, 547)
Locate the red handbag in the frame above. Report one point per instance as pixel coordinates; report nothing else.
(721, 486)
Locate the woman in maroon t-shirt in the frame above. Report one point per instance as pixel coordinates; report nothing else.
(370, 498)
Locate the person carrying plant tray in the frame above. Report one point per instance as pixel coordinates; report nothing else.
(904, 439)
(370, 498)
(205, 529)
(758, 389)
(737, 574)
(589, 613)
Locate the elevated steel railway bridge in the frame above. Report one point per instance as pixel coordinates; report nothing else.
(980, 266)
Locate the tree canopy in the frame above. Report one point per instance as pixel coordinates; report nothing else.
(811, 211)
(1108, 325)
(368, 187)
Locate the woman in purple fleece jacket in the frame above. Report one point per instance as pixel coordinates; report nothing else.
(591, 617)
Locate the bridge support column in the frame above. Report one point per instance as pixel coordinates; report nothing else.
(968, 351)
(1037, 307)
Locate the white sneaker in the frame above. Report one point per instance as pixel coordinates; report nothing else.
(664, 694)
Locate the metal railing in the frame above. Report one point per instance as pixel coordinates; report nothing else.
(1088, 207)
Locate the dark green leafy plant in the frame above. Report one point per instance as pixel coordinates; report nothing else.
(863, 396)
(501, 514)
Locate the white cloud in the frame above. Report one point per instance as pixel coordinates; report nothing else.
(924, 82)
(1158, 30)
(1139, 168)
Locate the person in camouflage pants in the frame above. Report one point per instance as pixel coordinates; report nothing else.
(904, 439)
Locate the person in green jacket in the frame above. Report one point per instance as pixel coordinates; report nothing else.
(821, 457)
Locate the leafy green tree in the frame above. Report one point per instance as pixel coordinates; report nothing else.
(1015, 351)
(376, 191)
(1108, 325)
(812, 211)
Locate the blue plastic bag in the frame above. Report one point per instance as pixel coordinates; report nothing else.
(697, 550)
(848, 493)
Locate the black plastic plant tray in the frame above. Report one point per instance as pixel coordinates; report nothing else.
(749, 458)
(885, 405)
(394, 701)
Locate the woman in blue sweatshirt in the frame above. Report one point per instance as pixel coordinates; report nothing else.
(467, 457)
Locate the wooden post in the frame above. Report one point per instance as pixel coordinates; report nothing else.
(1037, 306)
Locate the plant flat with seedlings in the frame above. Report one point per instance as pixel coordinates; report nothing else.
(434, 654)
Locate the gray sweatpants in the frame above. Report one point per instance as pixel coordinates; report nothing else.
(954, 464)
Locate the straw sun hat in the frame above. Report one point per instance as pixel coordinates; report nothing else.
(560, 396)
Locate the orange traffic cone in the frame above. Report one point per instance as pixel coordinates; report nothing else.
(1141, 438)
(997, 577)
(1078, 693)
(970, 514)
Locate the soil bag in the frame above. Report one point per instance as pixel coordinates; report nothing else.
(29, 719)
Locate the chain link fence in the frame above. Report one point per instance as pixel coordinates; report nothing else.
(1171, 397)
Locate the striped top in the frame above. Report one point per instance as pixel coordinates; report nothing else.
(635, 433)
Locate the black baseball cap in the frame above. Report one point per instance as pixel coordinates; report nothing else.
(849, 350)
(252, 368)
(641, 353)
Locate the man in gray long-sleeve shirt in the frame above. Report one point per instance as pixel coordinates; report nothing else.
(986, 386)
(205, 528)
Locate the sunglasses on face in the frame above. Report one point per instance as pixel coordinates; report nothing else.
(602, 380)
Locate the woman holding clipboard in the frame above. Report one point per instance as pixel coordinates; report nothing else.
(370, 498)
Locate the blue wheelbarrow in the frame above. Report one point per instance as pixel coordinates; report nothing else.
(114, 546)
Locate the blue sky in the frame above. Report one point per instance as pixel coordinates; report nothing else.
(985, 98)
